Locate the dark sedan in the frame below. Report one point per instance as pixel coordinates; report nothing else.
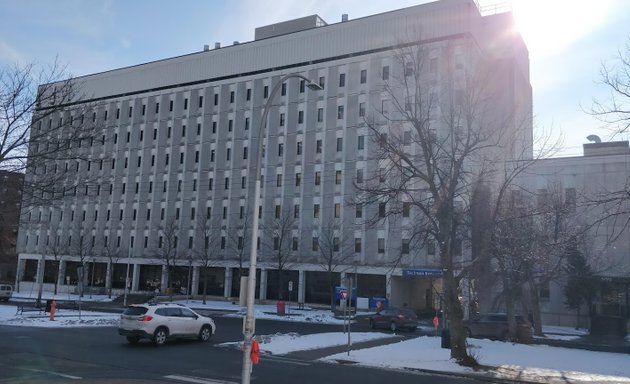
(394, 319)
(495, 326)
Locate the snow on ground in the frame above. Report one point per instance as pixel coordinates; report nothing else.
(281, 344)
(30, 296)
(527, 360)
(535, 362)
(63, 318)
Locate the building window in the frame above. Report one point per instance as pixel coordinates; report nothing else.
(405, 246)
(381, 245)
(320, 115)
(280, 149)
(245, 153)
(243, 182)
(360, 142)
(300, 117)
(316, 211)
(318, 177)
(386, 72)
(298, 179)
(337, 210)
(170, 106)
(283, 89)
(282, 118)
(302, 86)
(357, 244)
(231, 96)
(228, 154)
(278, 211)
(362, 109)
(339, 144)
(296, 211)
(363, 76)
(338, 177)
(247, 123)
(266, 91)
(279, 180)
(381, 209)
(200, 101)
(342, 80)
(408, 69)
(315, 244)
(230, 125)
(406, 209)
(295, 243)
(318, 146)
(185, 104)
(248, 94)
(359, 176)
(322, 81)
(227, 183)
(358, 211)
(298, 148)
(340, 111)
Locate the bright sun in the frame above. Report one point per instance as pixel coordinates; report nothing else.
(551, 26)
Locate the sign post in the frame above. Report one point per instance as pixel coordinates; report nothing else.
(290, 294)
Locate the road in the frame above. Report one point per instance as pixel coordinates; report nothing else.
(100, 355)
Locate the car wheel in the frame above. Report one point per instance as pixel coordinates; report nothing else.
(372, 324)
(160, 336)
(133, 339)
(392, 326)
(205, 333)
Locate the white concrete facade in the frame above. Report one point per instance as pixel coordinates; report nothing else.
(180, 138)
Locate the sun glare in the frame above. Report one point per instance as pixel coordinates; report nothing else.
(550, 26)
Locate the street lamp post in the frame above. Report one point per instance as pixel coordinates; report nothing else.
(249, 326)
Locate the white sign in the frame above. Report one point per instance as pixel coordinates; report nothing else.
(290, 286)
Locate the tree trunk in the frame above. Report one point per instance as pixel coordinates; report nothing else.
(455, 313)
(535, 301)
(205, 283)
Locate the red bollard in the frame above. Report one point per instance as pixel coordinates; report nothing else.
(53, 306)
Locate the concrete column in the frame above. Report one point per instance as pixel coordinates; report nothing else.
(301, 286)
(61, 273)
(135, 279)
(164, 280)
(19, 273)
(263, 285)
(227, 285)
(108, 276)
(194, 286)
(41, 263)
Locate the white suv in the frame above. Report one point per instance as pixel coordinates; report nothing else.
(159, 322)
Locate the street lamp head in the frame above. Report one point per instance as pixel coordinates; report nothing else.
(313, 86)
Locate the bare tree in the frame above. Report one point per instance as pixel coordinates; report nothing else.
(336, 250)
(45, 130)
(81, 246)
(112, 254)
(239, 243)
(616, 76)
(167, 251)
(440, 140)
(279, 240)
(56, 251)
(208, 240)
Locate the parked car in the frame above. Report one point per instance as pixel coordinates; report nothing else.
(495, 326)
(6, 291)
(394, 319)
(160, 322)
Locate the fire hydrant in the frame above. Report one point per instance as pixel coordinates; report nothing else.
(53, 306)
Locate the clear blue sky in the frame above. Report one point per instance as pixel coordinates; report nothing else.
(567, 39)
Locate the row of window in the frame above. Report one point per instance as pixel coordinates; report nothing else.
(239, 243)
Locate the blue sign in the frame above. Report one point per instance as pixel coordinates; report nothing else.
(422, 273)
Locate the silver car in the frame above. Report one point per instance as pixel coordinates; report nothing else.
(160, 322)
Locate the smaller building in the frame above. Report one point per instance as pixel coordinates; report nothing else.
(10, 198)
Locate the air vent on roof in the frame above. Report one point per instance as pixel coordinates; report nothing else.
(217, 45)
(344, 17)
(235, 42)
(206, 47)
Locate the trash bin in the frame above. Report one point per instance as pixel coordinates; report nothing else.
(446, 339)
(280, 307)
(48, 305)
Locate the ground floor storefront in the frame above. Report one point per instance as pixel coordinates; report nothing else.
(302, 283)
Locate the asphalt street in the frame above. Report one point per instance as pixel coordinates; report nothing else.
(100, 355)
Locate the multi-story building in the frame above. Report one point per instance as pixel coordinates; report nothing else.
(587, 197)
(10, 198)
(179, 143)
